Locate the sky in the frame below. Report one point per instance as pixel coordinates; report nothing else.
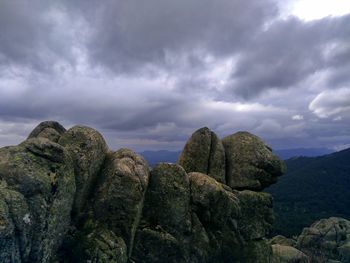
(146, 74)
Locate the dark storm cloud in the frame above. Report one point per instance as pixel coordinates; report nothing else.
(30, 37)
(129, 34)
(148, 73)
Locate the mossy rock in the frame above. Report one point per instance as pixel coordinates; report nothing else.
(119, 194)
(250, 163)
(215, 215)
(204, 153)
(38, 187)
(51, 130)
(88, 150)
(288, 254)
(165, 228)
(257, 214)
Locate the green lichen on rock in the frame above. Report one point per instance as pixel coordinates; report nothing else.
(215, 213)
(64, 197)
(328, 238)
(204, 153)
(250, 163)
(257, 214)
(38, 207)
(119, 195)
(106, 247)
(13, 209)
(282, 240)
(288, 254)
(255, 224)
(166, 218)
(88, 150)
(51, 130)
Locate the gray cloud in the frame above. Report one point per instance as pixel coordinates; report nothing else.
(33, 35)
(128, 35)
(290, 51)
(148, 74)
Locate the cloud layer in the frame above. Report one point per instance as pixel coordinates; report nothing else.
(148, 73)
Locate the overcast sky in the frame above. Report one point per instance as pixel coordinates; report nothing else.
(146, 74)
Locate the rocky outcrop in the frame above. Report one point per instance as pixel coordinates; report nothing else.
(215, 215)
(36, 195)
(88, 150)
(284, 241)
(165, 226)
(64, 197)
(327, 238)
(288, 254)
(204, 153)
(119, 195)
(250, 163)
(255, 224)
(51, 130)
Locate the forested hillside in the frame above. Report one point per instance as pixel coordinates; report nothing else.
(312, 188)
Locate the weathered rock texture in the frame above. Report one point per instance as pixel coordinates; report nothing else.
(250, 163)
(88, 150)
(288, 254)
(51, 130)
(36, 195)
(215, 212)
(326, 240)
(119, 196)
(64, 197)
(204, 153)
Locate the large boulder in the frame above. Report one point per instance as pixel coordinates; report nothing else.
(257, 214)
(282, 240)
(165, 227)
(204, 153)
(51, 130)
(256, 251)
(36, 196)
(106, 247)
(250, 163)
(88, 150)
(119, 195)
(215, 215)
(255, 224)
(288, 254)
(14, 247)
(327, 238)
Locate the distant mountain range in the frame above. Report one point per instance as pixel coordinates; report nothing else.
(154, 157)
(285, 154)
(312, 188)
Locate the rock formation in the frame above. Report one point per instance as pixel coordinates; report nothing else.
(204, 153)
(64, 197)
(250, 162)
(36, 196)
(326, 240)
(329, 238)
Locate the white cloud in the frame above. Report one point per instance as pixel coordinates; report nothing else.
(340, 147)
(331, 102)
(298, 117)
(316, 9)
